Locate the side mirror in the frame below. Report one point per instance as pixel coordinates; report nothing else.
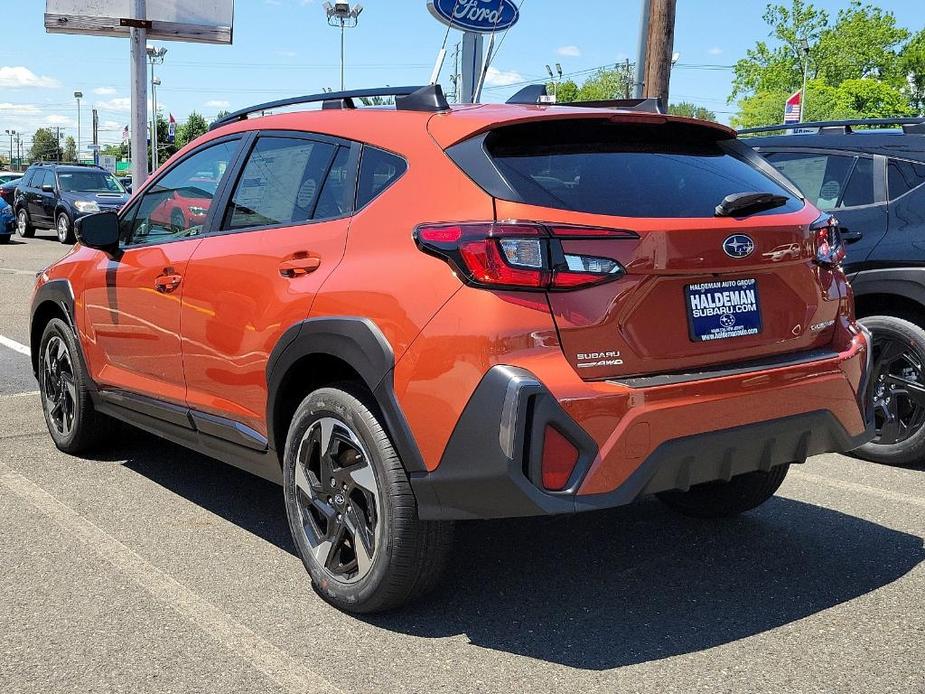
(48, 188)
(100, 231)
(128, 187)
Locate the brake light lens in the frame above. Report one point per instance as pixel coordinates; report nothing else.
(517, 255)
(830, 249)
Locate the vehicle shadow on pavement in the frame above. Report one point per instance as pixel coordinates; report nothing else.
(598, 590)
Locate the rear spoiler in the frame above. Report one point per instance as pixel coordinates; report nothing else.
(534, 94)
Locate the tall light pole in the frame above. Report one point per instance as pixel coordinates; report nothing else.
(11, 133)
(155, 57)
(78, 96)
(155, 149)
(805, 47)
(340, 14)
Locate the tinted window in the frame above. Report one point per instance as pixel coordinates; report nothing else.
(378, 170)
(627, 170)
(333, 202)
(177, 204)
(47, 179)
(90, 181)
(860, 188)
(821, 177)
(904, 176)
(27, 178)
(280, 183)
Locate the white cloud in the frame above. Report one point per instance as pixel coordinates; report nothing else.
(20, 109)
(286, 54)
(570, 51)
(218, 103)
(120, 103)
(56, 119)
(104, 91)
(715, 51)
(112, 125)
(501, 78)
(14, 77)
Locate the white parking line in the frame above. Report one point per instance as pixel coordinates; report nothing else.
(15, 271)
(27, 394)
(276, 664)
(861, 488)
(15, 346)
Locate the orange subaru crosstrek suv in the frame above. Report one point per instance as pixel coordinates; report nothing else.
(418, 314)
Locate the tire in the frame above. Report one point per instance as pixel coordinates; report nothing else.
(23, 226)
(725, 499)
(897, 392)
(66, 400)
(64, 228)
(376, 509)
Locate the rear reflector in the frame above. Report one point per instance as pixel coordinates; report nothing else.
(559, 459)
(520, 255)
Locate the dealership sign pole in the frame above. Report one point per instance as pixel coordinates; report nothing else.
(474, 18)
(200, 21)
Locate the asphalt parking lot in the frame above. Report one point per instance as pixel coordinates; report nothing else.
(147, 568)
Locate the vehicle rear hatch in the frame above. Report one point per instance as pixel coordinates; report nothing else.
(699, 289)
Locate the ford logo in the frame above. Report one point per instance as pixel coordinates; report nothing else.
(738, 246)
(482, 16)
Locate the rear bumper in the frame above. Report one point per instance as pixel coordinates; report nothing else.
(661, 441)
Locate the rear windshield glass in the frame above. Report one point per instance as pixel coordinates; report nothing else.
(625, 170)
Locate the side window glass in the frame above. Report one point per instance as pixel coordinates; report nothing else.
(47, 179)
(27, 178)
(177, 204)
(378, 170)
(903, 176)
(821, 177)
(332, 201)
(860, 188)
(280, 184)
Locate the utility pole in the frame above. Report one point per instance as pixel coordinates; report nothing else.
(342, 15)
(96, 137)
(656, 47)
(58, 140)
(137, 41)
(156, 57)
(627, 79)
(805, 48)
(78, 96)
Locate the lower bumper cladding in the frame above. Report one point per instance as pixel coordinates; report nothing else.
(498, 476)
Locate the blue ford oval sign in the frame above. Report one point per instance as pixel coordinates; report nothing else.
(481, 16)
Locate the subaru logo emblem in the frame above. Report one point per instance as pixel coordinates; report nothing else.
(738, 246)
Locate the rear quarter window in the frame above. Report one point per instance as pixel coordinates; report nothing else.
(626, 170)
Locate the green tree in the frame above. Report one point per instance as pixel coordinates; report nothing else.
(44, 145)
(912, 67)
(194, 126)
(845, 59)
(565, 92)
(70, 150)
(689, 110)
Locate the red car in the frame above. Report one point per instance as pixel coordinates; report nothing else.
(420, 314)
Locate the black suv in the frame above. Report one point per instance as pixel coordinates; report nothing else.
(54, 196)
(872, 178)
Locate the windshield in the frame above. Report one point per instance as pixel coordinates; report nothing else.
(88, 182)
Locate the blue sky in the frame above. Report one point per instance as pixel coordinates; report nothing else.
(285, 47)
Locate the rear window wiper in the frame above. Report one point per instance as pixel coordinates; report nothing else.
(741, 204)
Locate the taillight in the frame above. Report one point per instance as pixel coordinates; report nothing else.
(830, 249)
(520, 255)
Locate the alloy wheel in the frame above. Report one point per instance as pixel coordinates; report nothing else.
(22, 222)
(338, 499)
(59, 389)
(898, 390)
(63, 227)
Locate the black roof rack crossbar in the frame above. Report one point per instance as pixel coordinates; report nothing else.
(836, 124)
(416, 98)
(533, 94)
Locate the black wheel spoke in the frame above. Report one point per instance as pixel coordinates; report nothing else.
(890, 351)
(913, 390)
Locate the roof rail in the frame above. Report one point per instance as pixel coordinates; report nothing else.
(534, 93)
(420, 98)
(839, 127)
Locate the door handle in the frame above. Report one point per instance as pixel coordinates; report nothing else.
(850, 236)
(167, 283)
(297, 267)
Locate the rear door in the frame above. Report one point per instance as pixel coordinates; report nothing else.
(282, 232)
(850, 186)
(36, 196)
(699, 289)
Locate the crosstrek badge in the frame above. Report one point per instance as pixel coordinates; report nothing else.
(721, 310)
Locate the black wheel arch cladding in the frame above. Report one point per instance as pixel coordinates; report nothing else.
(358, 342)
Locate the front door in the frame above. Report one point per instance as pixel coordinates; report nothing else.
(132, 301)
(282, 233)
